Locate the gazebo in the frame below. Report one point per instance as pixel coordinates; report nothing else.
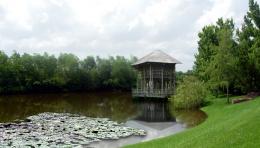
(156, 75)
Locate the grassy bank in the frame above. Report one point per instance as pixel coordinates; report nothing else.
(227, 126)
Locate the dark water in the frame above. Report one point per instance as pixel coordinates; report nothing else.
(117, 106)
(156, 117)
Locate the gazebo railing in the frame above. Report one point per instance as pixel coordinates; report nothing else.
(152, 93)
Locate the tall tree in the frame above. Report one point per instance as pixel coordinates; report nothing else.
(3, 72)
(208, 39)
(248, 53)
(222, 67)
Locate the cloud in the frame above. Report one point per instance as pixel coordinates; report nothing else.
(225, 9)
(115, 27)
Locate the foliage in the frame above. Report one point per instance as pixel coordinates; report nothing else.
(32, 73)
(190, 93)
(222, 67)
(208, 39)
(226, 126)
(231, 60)
(180, 75)
(249, 47)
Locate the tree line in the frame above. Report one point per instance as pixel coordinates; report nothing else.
(227, 62)
(229, 58)
(46, 73)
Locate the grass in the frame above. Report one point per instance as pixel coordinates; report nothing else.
(226, 126)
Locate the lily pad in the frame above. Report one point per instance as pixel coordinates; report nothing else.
(61, 130)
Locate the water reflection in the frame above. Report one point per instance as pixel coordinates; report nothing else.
(161, 111)
(116, 106)
(154, 111)
(156, 117)
(190, 117)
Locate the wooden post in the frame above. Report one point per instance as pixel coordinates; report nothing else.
(137, 80)
(152, 78)
(150, 81)
(143, 80)
(162, 80)
(173, 79)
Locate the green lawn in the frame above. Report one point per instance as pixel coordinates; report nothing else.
(226, 126)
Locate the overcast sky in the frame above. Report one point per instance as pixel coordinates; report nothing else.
(111, 27)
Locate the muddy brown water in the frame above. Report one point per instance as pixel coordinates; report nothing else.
(158, 118)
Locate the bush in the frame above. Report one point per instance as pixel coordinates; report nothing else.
(191, 93)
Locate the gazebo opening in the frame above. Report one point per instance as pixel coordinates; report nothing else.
(156, 75)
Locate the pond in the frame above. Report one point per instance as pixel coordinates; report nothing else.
(155, 117)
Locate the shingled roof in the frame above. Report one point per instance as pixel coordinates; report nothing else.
(157, 56)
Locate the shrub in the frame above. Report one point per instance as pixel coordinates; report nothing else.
(190, 93)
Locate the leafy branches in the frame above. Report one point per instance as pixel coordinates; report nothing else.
(228, 60)
(32, 73)
(190, 93)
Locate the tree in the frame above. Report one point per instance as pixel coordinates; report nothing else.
(122, 74)
(104, 69)
(89, 63)
(191, 93)
(231, 60)
(3, 71)
(208, 39)
(68, 71)
(222, 67)
(248, 49)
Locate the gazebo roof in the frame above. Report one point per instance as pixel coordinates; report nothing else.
(157, 56)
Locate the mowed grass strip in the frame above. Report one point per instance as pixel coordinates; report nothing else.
(227, 125)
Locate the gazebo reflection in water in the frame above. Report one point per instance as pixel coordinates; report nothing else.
(154, 111)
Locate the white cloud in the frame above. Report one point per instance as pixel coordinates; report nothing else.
(114, 27)
(226, 9)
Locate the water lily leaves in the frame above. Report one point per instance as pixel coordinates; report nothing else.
(61, 130)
